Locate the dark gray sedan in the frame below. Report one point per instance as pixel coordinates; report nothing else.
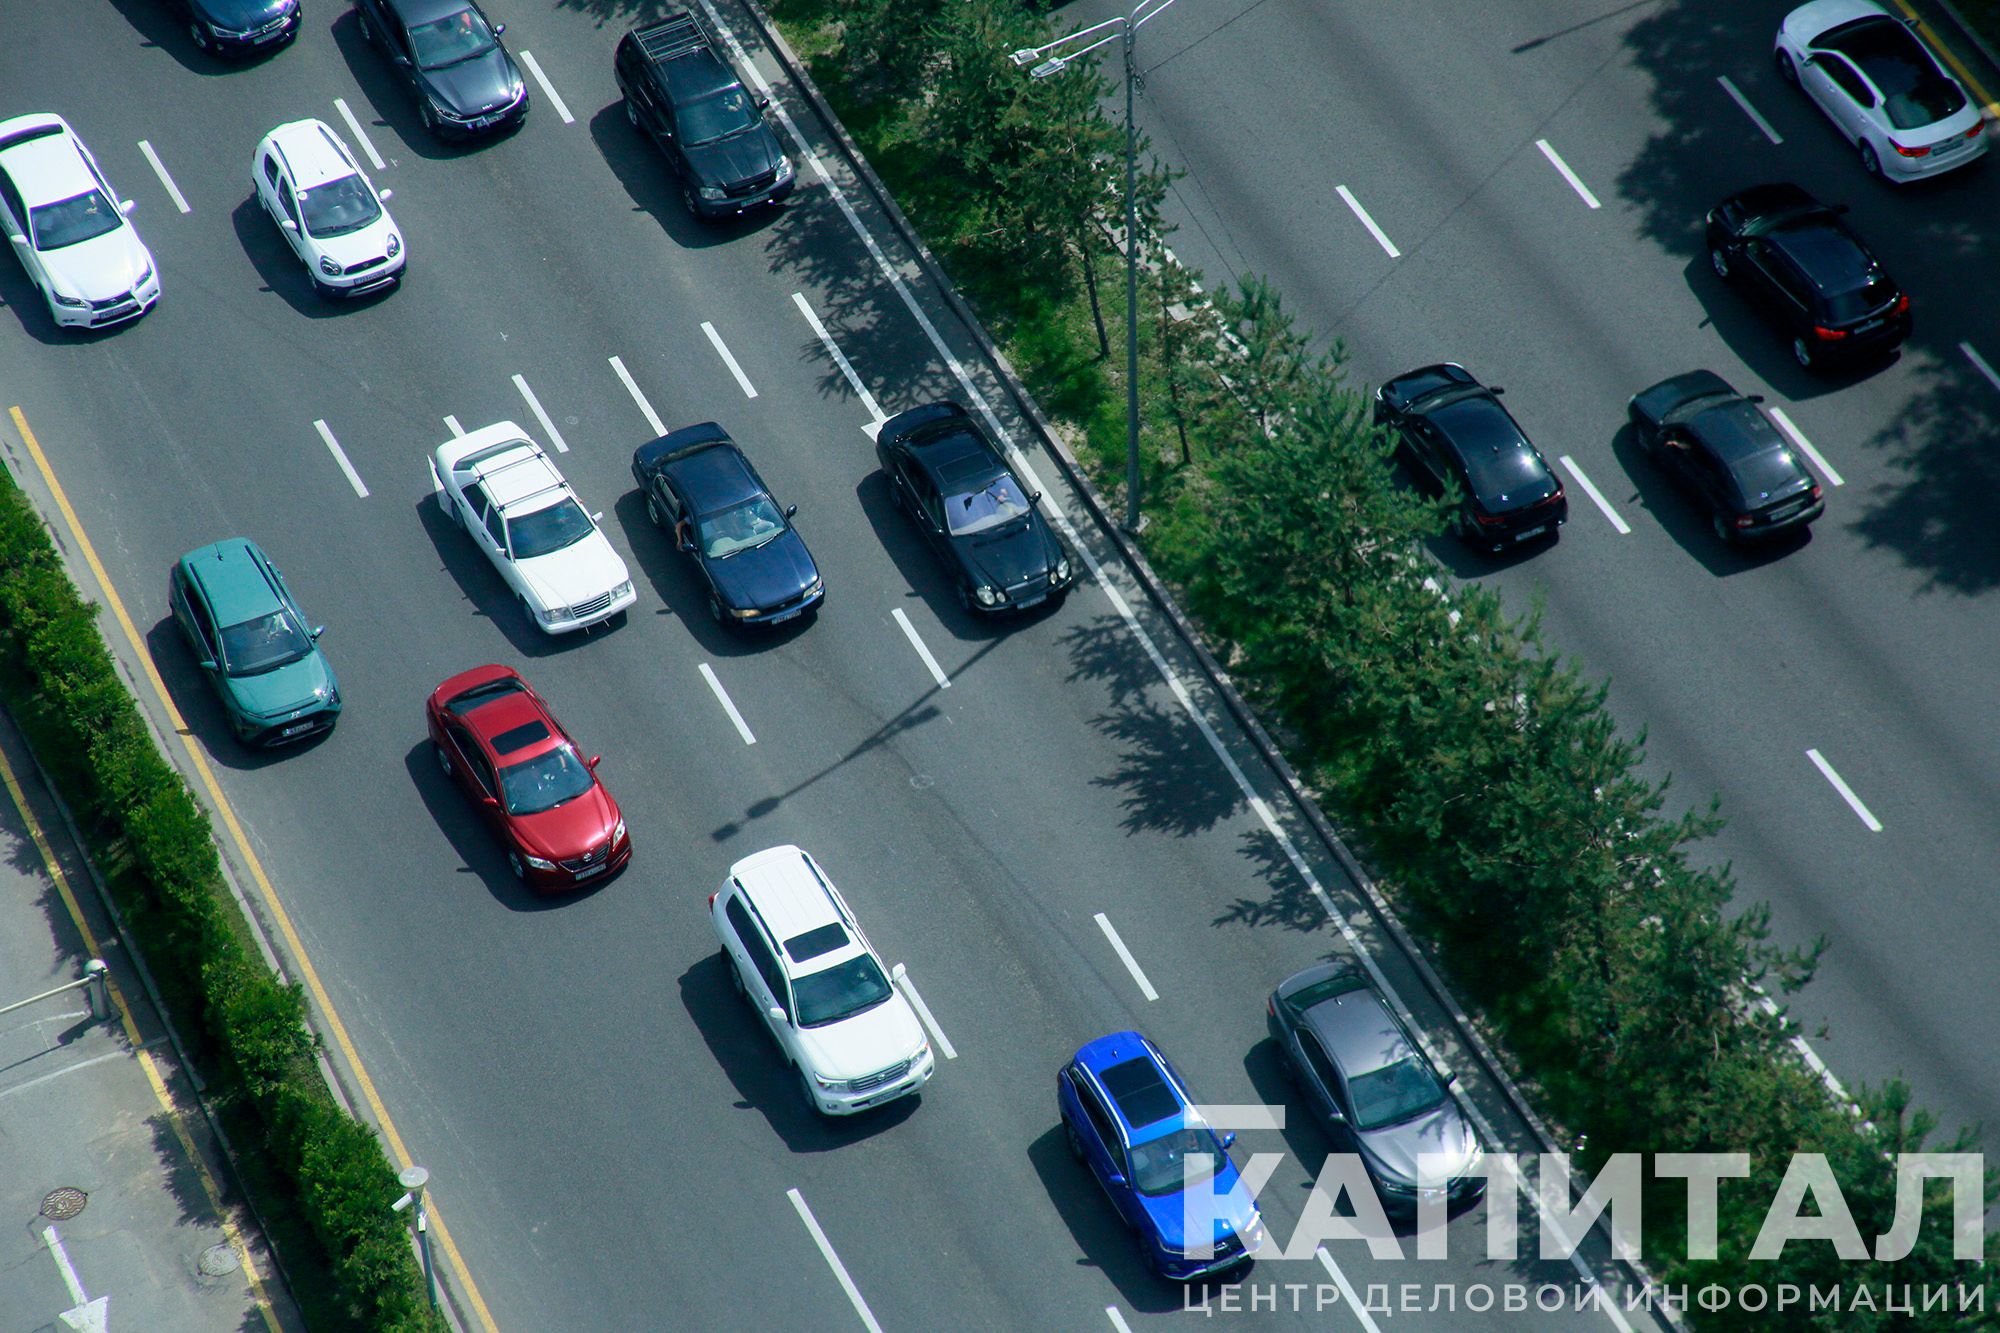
(1372, 1084)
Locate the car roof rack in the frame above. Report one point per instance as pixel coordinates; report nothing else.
(679, 33)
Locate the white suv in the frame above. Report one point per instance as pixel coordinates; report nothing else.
(510, 499)
(69, 228)
(796, 953)
(331, 214)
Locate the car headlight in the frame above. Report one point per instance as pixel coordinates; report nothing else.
(144, 277)
(816, 587)
(831, 1084)
(551, 615)
(328, 267)
(75, 302)
(619, 831)
(517, 90)
(538, 863)
(712, 192)
(622, 590)
(1062, 570)
(395, 245)
(785, 168)
(742, 612)
(988, 595)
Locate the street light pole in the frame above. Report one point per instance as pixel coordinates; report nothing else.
(413, 1179)
(1126, 28)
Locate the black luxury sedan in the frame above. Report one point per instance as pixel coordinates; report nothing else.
(463, 79)
(1806, 272)
(985, 527)
(700, 487)
(241, 27)
(1456, 433)
(1720, 445)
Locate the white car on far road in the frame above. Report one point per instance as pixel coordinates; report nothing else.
(1883, 89)
(69, 228)
(329, 211)
(507, 494)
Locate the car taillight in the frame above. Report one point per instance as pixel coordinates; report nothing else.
(1827, 335)
(712, 897)
(1909, 152)
(1744, 520)
(1976, 130)
(1815, 490)
(1488, 520)
(1902, 305)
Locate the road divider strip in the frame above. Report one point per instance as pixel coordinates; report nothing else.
(1827, 470)
(826, 1251)
(555, 98)
(1596, 496)
(632, 387)
(1736, 96)
(361, 135)
(722, 350)
(340, 457)
(722, 697)
(910, 633)
(1562, 167)
(160, 170)
(451, 424)
(535, 406)
(1381, 239)
(1979, 364)
(1125, 957)
(1854, 803)
(916, 1000)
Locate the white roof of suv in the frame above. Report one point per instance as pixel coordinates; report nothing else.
(312, 152)
(794, 899)
(513, 469)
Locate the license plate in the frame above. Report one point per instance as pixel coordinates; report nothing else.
(1780, 514)
(782, 617)
(597, 869)
(1531, 532)
(1036, 600)
(271, 36)
(297, 729)
(1951, 145)
(1868, 325)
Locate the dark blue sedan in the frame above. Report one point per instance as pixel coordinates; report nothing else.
(1130, 1119)
(700, 487)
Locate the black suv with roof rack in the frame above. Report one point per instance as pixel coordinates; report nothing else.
(681, 91)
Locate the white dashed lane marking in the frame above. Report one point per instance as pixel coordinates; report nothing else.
(160, 170)
(1597, 496)
(1125, 957)
(722, 350)
(555, 98)
(1736, 96)
(340, 457)
(1862, 812)
(632, 387)
(360, 135)
(1583, 191)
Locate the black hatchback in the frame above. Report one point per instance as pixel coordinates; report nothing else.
(1719, 444)
(1802, 267)
(1456, 433)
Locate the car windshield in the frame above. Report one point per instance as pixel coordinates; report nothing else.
(448, 40)
(717, 117)
(544, 782)
(840, 991)
(339, 207)
(1172, 1162)
(263, 644)
(741, 527)
(1862, 301)
(994, 502)
(1766, 472)
(71, 220)
(561, 524)
(1394, 1093)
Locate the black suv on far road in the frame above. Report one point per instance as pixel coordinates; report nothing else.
(680, 90)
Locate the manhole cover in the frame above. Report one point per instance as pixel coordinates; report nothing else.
(64, 1203)
(219, 1261)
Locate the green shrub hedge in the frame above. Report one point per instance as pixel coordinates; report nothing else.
(58, 678)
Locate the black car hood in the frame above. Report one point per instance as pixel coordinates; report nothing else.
(732, 161)
(243, 15)
(476, 86)
(764, 576)
(1010, 556)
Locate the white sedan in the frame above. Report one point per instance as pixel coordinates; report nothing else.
(1882, 88)
(508, 496)
(68, 227)
(329, 211)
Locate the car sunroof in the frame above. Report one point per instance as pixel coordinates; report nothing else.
(1142, 1095)
(813, 943)
(517, 738)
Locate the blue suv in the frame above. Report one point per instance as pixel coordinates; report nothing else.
(1129, 1117)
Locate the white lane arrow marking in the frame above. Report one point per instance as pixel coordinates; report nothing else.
(89, 1316)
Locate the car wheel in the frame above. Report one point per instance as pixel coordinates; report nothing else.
(692, 201)
(735, 977)
(1075, 1142)
(515, 864)
(200, 37)
(653, 512)
(1723, 532)
(428, 116)
(1869, 162)
(896, 497)
(965, 597)
(1147, 1259)
(366, 29)
(632, 113)
(1720, 263)
(806, 1090)
(444, 760)
(1802, 352)
(715, 610)
(1786, 71)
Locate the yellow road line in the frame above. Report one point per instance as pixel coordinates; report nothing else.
(146, 1061)
(295, 949)
(1931, 36)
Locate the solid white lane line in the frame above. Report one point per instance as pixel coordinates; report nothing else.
(1979, 364)
(839, 357)
(1368, 222)
(452, 421)
(722, 350)
(1117, 1320)
(1737, 96)
(1125, 956)
(1347, 1290)
(722, 697)
(1846, 792)
(1798, 437)
(535, 406)
(160, 170)
(40, 1079)
(555, 98)
(340, 457)
(631, 387)
(1568, 175)
(833, 1262)
(1589, 489)
(910, 633)
(367, 144)
(930, 1024)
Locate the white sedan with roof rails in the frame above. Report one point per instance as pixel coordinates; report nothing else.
(69, 228)
(505, 491)
(1882, 88)
(329, 211)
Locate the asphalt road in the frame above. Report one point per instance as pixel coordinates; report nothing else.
(1869, 645)
(611, 1140)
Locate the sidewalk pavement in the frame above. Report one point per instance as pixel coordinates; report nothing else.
(115, 1208)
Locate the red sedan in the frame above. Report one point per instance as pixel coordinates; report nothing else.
(496, 738)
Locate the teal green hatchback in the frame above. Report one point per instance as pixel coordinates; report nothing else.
(254, 644)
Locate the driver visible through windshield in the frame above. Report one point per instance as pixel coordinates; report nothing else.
(752, 523)
(840, 991)
(544, 782)
(728, 112)
(448, 40)
(263, 644)
(1393, 1093)
(561, 524)
(339, 207)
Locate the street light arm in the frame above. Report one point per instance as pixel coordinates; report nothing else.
(1140, 19)
(1056, 64)
(1029, 54)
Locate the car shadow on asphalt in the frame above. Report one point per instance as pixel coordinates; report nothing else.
(488, 593)
(1103, 1240)
(926, 576)
(203, 713)
(1761, 345)
(684, 592)
(759, 1073)
(480, 854)
(1681, 515)
(395, 106)
(19, 294)
(649, 179)
(160, 26)
(282, 270)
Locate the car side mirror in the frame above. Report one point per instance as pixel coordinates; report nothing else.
(1495, 390)
(400, 62)
(1808, 59)
(763, 102)
(1116, 1180)
(898, 972)
(1229, 1139)
(791, 511)
(1451, 1079)
(289, 225)
(592, 762)
(21, 241)
(126, 206)
(487, 800)
(1754, 398)
(686, 543)
(499, 28)
(776, 1013)
(1034, 497)
(208, 664)
(387, 195)
(1336, 1115)
(318, 630)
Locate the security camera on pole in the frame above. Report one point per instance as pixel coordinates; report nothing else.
(413, 1179)
(1125, 27)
